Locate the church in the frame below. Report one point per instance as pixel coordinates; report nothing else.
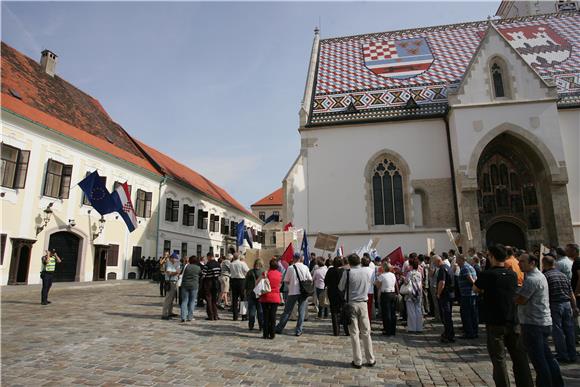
(472, 128)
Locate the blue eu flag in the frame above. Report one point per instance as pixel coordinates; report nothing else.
(97, 194)
(240, 234)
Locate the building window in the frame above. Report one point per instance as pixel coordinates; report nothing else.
(233, 227)
(262, 215)
(211, 249)
(198, 251)
(57, 180)
(188, 215)
(171, 210)
(273, 239)
(118, 183)
(214, 223)
(499, 78)
(202, 219)
(136, 255)
(388, 199)
(113, 255)
(143, 203)
(86, 201)
(166, 246)
(225, 227)
(184, 249)
(14, 166)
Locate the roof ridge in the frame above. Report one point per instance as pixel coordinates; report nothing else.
(454, 25)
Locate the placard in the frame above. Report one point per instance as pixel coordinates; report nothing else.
(326, 242)
(468, 229)
(430, 245)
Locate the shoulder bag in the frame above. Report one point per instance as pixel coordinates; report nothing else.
(347, 309)
(306, 286)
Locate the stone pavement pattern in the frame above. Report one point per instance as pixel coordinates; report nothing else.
(111, 334)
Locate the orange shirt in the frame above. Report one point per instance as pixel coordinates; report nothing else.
(513, 264)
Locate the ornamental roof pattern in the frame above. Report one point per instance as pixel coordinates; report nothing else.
(379, 74)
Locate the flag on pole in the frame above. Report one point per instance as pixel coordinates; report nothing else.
(249, 237)
(124, 207)
(288, 254)
(364, 249)
(272, 218)
(287, 227)
(240, 234)
(304, 249)
(97, 194)
(340, 251)
(396, 257)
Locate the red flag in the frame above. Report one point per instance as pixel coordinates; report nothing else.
(287, 227)
(288, 254)
(396, 257)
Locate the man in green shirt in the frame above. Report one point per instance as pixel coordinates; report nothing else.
(49, 261)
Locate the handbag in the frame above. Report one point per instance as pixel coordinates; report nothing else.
(347, 312)
(406, 289)
(323, 300)
(306, 286)
(243, 308)
(262, 287)
(180, 278)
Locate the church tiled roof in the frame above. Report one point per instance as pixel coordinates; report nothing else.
(407, 73)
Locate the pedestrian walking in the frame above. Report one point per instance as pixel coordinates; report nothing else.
(413, 298)
(445, 299)
(49, 261)
(254, 307)
(210, 275)
(189, 288)
(335, 296)
(467, 299)
(318, 275)
(294, 274)
(238, 271)
(172, 271)
(388, 291)
(224, 300)
(162, 263)
(355, 284)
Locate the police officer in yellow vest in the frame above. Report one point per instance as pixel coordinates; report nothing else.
(49, 261)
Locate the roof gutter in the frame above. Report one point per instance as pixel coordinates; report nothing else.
(161, 184)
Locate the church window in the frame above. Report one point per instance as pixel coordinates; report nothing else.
(388, 197)
(498, 81)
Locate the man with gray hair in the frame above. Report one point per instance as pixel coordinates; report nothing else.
(355, 284)
(294, 274)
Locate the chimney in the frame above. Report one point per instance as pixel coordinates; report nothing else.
(48, 62)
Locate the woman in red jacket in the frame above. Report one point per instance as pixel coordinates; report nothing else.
(271, 300)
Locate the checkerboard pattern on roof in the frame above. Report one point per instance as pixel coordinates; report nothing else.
(342, 77)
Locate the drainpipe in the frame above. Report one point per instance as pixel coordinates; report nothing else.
(452, 167)
(161, 184)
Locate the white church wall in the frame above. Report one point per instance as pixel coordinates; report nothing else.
(337, 159)
(570, 126)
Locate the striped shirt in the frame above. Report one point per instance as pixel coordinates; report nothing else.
(558, 286)
(211, 270)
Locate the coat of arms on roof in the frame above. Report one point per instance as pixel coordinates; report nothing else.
(539, 45)
(403, 58)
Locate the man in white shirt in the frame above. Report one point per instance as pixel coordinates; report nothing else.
(294, 274)
(238, 270)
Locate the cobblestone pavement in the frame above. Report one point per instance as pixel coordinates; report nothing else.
(111, 334)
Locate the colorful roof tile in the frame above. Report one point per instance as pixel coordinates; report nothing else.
(276, 198)
(387, 75)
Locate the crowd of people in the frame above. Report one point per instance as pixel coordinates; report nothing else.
(525, 300)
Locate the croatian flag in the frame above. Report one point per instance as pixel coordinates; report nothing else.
(124, 206)
(403, 58)
(340, 251)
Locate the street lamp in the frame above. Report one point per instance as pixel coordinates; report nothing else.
(101, 227)
(47, 215)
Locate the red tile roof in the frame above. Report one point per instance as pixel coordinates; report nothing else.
(276, 198)
(191, 178)
(58, 105)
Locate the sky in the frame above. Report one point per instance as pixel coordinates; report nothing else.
(215, 85)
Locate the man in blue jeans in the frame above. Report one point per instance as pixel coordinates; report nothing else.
(468, 299)
(562, 307)
(534, 315)
(294, 274)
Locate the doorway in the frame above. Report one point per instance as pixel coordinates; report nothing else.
(506, 233)
(67, 247)
(20, 261)
(100, 263)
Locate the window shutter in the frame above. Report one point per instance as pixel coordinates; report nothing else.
(148, 200)
(22, 169)
(113, 255)
(168, 208)
(136, 255)
(185, 215)
(65, 181)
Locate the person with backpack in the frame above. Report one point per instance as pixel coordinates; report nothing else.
(445, 299)
(299, 281)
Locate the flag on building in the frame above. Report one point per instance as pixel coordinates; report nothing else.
(304, 249)
(240, 234)
(124, 207)
(272, 218)
(396, 257)
(249, 237)
(287, 227)
(288, 254)
(97, 194)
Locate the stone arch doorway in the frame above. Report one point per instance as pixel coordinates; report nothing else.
(506, 233)
(68, 248)
(20, 261)
(514, 183)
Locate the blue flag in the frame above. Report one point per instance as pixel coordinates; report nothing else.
(240, 234)
(272, 218)
(97, 194)
(304, 249)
